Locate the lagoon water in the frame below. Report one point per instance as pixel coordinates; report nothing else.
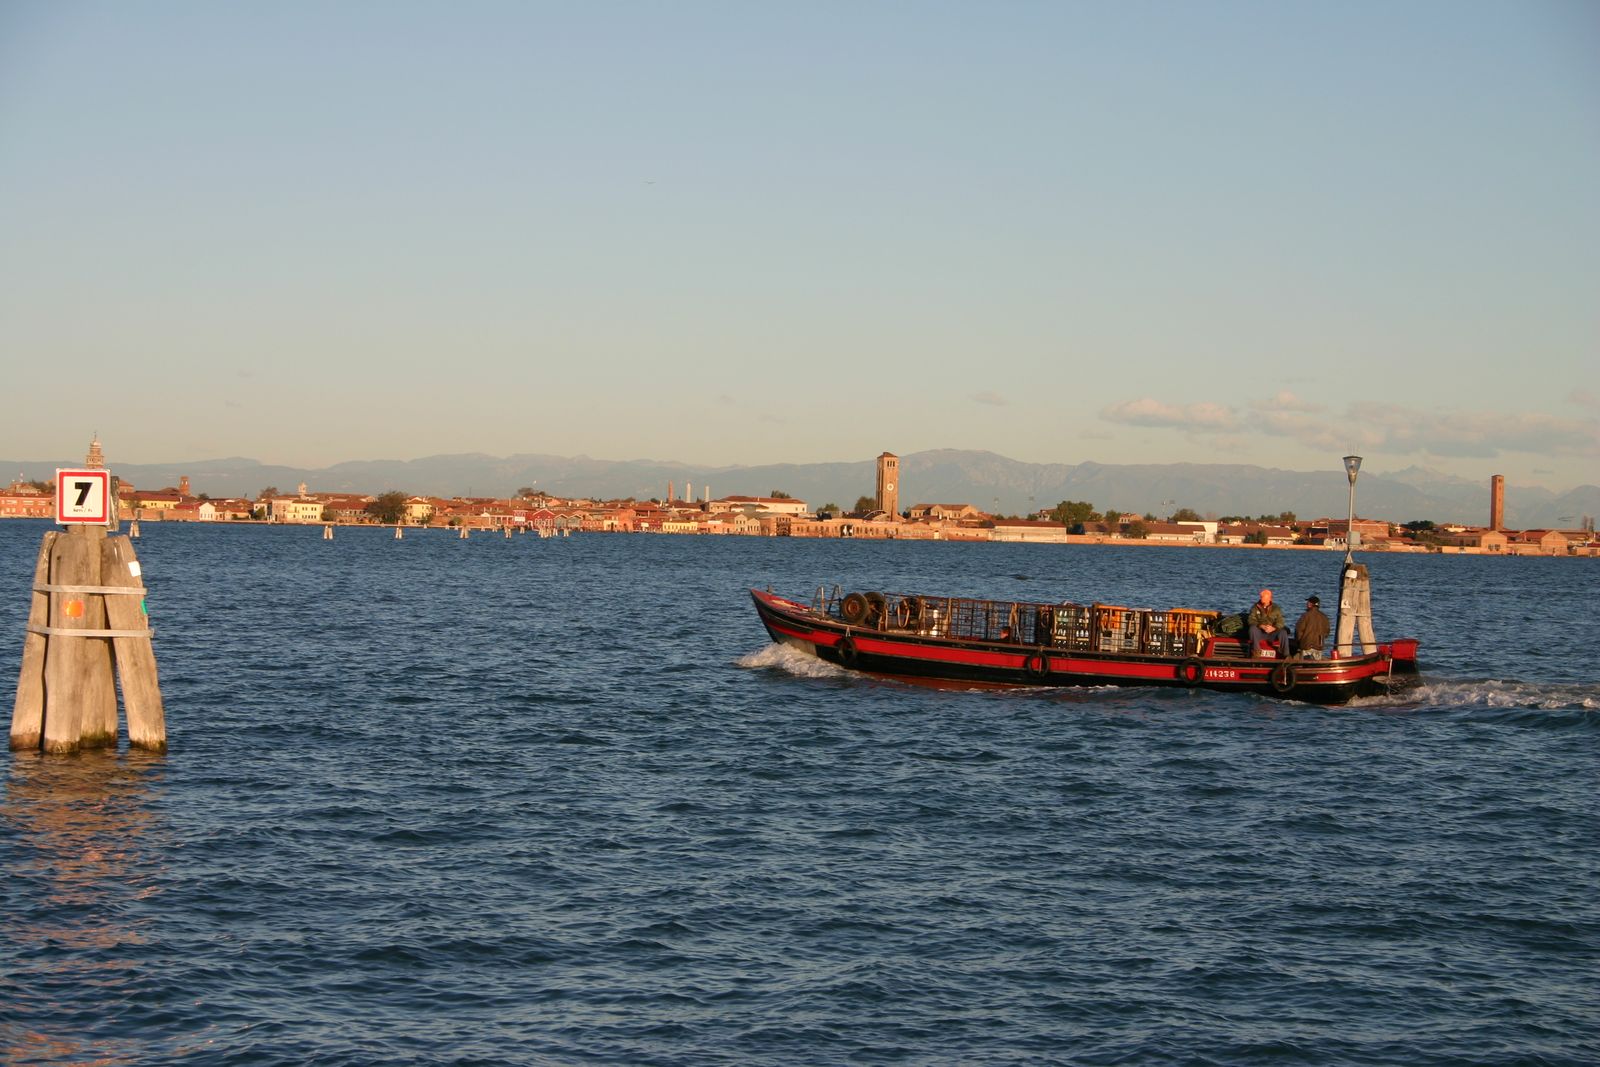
(559, 802)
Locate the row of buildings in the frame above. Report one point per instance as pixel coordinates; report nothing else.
(781, 516)
(788, 517)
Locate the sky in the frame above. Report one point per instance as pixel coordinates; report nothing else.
(747, 233)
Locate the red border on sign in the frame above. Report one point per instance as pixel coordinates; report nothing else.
(101, 476)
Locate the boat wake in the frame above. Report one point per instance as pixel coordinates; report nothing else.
(1495, 699)
(792, 661)
(1506, 694)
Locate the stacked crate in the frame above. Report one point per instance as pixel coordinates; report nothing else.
(1120, 628)
(1185, 630)
(1193, 627)
(1072, 627)
(1160, 635)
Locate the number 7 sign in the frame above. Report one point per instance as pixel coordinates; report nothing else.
(83, 497)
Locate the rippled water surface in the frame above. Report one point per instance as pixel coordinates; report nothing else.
(524, 801)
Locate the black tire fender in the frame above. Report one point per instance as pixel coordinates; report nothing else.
(845, 648)
(1037, 665)
(1283, 678)
(1190, 671)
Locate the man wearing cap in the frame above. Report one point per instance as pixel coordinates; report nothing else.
(1312, 629)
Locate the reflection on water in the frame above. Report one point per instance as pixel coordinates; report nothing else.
(81, 847)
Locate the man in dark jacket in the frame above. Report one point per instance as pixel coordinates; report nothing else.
(1266, 626)
(1312, 630)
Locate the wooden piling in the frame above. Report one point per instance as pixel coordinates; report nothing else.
(74, 561)
(1355, 611)
(87, 629)
(27, 713)
(100, 706)
(327, 533)
(398, 533)
(135, 658)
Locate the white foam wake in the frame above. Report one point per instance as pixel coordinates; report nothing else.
(788, 658)
(1498, 693)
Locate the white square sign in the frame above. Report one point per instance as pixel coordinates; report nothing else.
(83, 497)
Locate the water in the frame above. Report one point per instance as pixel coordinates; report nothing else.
(560, 802)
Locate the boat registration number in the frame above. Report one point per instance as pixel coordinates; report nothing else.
(1221, 674)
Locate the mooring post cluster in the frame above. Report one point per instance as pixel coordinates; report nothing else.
(1355, 612)
(88, 634)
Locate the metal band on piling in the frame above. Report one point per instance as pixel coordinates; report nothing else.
(63, 631)
(125, 590)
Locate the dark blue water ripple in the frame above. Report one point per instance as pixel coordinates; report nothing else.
(521, 801)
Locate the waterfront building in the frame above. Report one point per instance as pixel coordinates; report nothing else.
(22, 500)
(947, 512)
(1033, 530)
(294, 509)
(419, 509)
(1244, 533)
(761, 505)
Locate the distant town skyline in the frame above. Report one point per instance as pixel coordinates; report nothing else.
(721, 235)
(941, 476)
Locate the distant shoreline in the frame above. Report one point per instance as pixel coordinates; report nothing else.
(965, 537)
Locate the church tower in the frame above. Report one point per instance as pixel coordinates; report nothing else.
(889, 483)
(96, 459)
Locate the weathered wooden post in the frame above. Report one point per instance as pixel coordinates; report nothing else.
(129, 629)
(87, 629)
(327, 533)
(27, 715)
(461, 533)
(1355, 611)
(1355, 587)
(398, 533)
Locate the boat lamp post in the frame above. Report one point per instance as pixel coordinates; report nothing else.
(1352, 467)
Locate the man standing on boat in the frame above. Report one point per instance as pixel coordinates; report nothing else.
(1312, 629)
(1266, 626)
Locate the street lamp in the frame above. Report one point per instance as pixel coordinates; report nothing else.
(1352, 467)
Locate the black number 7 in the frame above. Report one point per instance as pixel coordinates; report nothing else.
(83, 492)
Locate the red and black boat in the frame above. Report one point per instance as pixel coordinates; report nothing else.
(1012, 643)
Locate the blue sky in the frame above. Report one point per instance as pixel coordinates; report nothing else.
(732, 233)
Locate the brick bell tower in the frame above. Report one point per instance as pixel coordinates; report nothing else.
(889, 483)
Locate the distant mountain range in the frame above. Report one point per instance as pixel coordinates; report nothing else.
(944, 476)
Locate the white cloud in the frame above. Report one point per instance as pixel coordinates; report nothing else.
(1284, 400)
(1203, 417)
(1372, 426)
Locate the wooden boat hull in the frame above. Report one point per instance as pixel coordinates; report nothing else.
(920, 656)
